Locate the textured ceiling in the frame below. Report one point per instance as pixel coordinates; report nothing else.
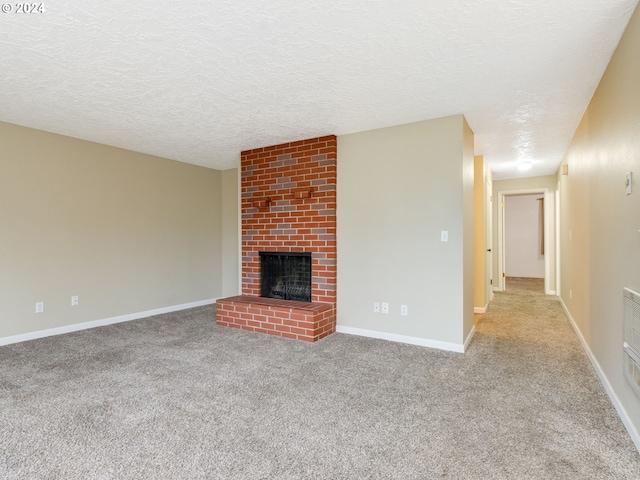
(200, 81)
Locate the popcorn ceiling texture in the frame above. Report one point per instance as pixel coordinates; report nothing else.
(201, 81)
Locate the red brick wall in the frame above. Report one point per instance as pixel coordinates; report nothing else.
(289, 205)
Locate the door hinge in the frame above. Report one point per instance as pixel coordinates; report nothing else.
(491, 282)
(502, 274)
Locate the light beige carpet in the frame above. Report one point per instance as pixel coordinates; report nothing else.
(177, 397)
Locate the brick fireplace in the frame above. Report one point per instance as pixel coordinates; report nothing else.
(288, 194)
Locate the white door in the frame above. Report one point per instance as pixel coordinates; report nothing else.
(488, 232)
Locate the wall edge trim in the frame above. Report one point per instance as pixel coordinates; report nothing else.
(622, 412)
(480, 309)
(74, 327)
(469, 338)
(394, 337)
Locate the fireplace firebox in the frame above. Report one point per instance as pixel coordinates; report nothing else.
(285, 275)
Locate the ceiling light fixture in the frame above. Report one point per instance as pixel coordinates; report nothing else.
(525, 165)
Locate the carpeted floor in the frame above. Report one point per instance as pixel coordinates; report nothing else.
(177, 397)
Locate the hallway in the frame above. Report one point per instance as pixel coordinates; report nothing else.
(546, 388)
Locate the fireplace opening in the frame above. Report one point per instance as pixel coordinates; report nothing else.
(285, 275)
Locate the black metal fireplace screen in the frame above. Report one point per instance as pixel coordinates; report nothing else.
(285, 275)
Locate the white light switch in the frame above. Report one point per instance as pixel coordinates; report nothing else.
(629, 182)
(385, 307)
(444, 236)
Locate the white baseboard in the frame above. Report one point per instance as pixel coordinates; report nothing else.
(550, 292)
(480, 309)
(393, 337)
(622, 413)
(100, 323)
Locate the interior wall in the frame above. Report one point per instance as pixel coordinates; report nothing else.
(479, 291)
(123, 231)
(523, 236)
(398, 188)
(600, 243)
(230, 214)
(519, 184)
(468, 231)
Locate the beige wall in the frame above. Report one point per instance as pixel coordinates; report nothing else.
(230, 233)
(398, 188)
(600, 243)
(523, 184)
(468, 231)
(483, 223)
(479, 273)
(126, 232)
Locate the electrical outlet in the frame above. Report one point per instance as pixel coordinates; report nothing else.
(385, 307)
(376, 307)
(39, 307)
(74, 300)
(404, 310)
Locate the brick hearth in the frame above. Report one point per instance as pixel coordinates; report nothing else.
(288, 205)
(298, 320)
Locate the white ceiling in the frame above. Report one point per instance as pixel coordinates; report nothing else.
(200, 81)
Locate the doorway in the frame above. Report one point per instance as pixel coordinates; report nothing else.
(526, 239)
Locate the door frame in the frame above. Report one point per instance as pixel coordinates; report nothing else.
(547, 229)
(558, 240)
(488, 259)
